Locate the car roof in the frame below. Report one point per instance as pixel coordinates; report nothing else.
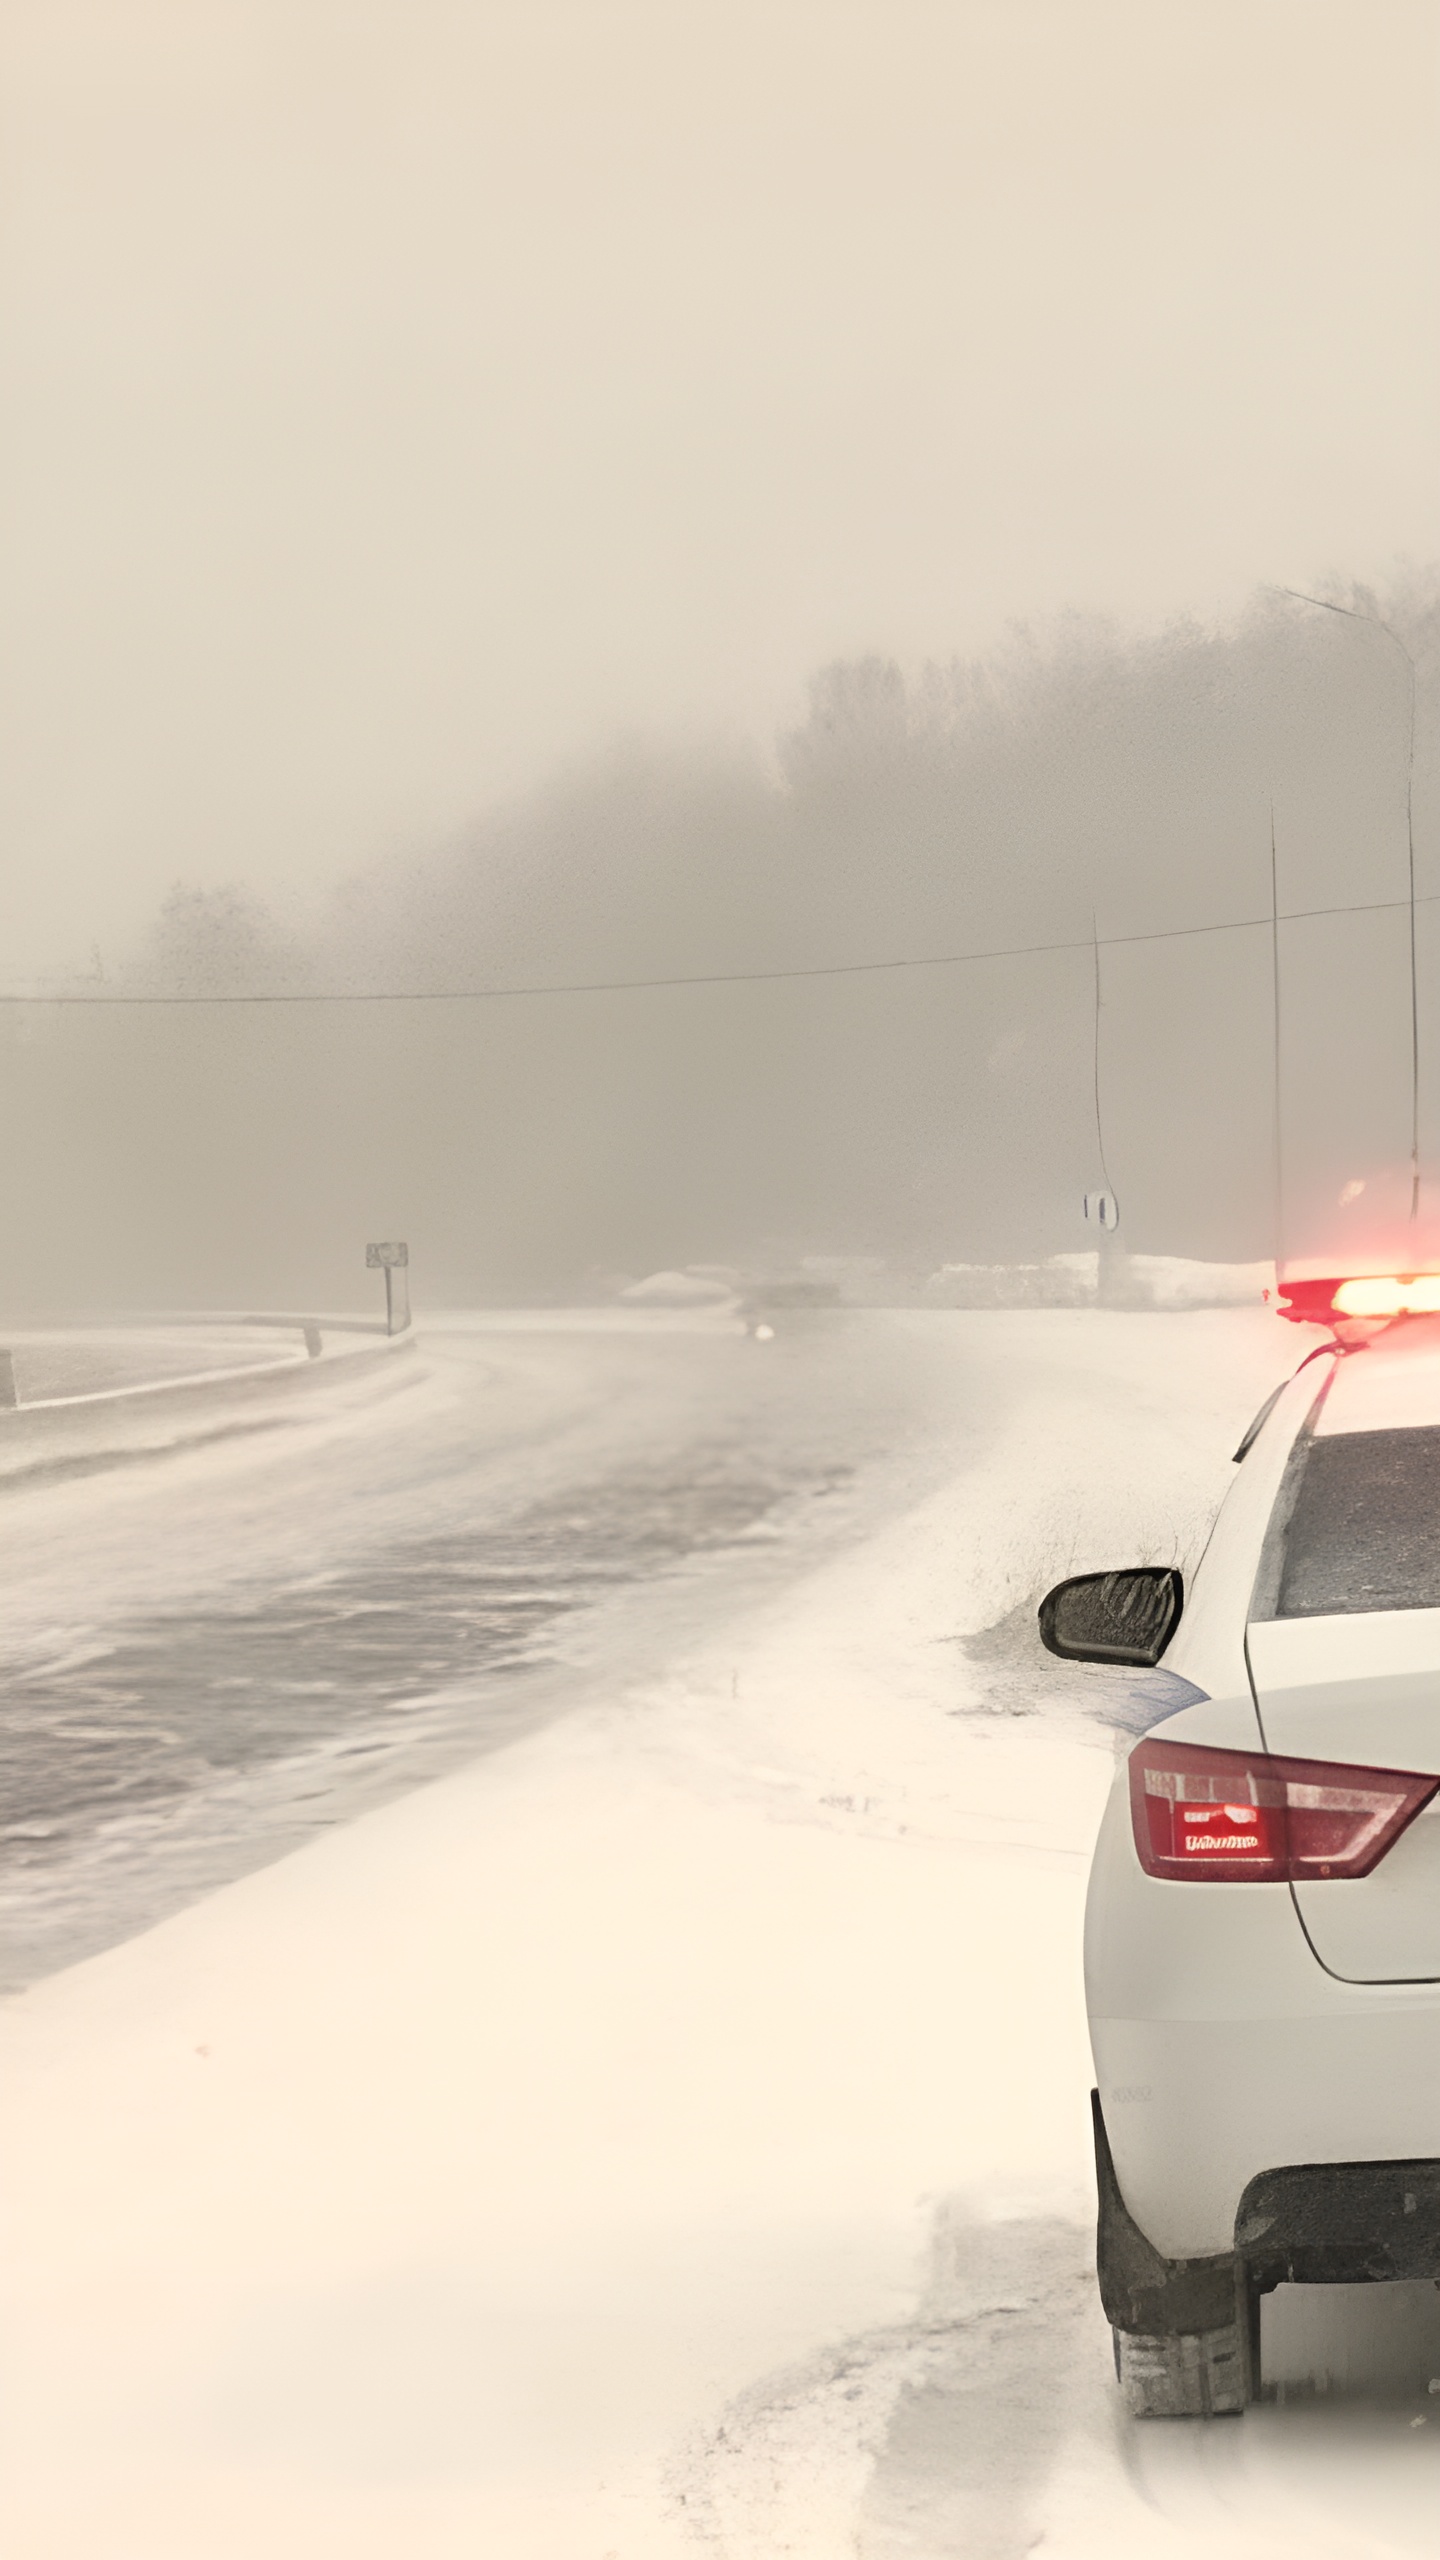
(1392, 1385)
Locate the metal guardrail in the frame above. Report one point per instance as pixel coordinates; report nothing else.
(392, 1259)
(311, 1329)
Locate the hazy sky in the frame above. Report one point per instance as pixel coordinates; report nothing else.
(397, 396)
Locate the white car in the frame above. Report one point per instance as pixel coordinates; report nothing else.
(1262, 1947)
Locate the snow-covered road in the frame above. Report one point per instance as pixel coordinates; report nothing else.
(665, 2134)
(231, 1646)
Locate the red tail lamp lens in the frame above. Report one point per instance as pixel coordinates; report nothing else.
(1239, 1817)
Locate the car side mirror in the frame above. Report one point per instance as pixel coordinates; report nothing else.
(1113, 1617)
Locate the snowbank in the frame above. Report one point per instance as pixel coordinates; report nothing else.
(677, 1289)
(1167, 1281)
(1161, 1281)
(181, 1406)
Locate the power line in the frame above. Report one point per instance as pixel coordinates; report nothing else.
(719, 977)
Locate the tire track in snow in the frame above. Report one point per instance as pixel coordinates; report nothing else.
(929, 2440)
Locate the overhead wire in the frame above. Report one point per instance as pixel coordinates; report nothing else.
(697, 978)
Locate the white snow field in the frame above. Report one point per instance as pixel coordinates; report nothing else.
(667, 2135)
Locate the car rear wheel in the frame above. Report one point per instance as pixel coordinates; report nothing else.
(1199, 2374)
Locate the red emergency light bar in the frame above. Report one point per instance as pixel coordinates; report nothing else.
(1375, 1297)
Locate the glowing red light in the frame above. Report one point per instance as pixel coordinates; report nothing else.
(1296, 1818)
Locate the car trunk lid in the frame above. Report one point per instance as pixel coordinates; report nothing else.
(1344, 1639)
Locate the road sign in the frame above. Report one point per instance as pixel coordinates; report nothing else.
(386, 1257)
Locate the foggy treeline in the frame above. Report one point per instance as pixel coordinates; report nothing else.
(556, 1142)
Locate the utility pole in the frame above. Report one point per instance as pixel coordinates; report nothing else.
(1352, 614)
(1102, 1209)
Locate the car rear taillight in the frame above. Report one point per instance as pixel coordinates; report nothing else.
(1242, 1817)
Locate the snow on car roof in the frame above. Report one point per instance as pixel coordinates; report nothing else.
(1394, 1385)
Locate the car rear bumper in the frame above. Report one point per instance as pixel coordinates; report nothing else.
(1198, 2109)
(1342, 2222)
(1338, 2222)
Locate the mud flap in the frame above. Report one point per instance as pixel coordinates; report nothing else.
(1147, 2295)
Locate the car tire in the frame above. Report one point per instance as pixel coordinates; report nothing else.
(1199, 2374)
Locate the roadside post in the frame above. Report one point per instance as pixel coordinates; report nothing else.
(394, 1261)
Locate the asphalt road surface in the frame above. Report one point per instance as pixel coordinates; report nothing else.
(208, 1656)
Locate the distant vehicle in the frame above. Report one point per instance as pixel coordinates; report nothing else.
(1262, 1948)
(785, 1294)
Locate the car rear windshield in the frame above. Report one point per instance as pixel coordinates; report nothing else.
(1364, 1529)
